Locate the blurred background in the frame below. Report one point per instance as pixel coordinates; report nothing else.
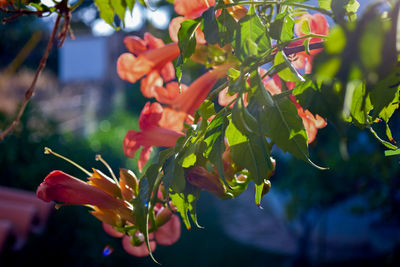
(348, 215)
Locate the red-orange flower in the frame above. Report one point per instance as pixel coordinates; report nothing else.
(59, 186)
(196, 93)
(159, 127)
(193, 8)
(318, 25)
(148, 57)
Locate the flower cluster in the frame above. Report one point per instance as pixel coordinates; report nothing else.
(111, 203)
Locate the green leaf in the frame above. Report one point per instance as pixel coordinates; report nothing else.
(233, 135)
(282, 27)
(210, 26)
(356, 103)
(392, 152)
(258, 194)
(253, 156)
(289, 73)
(130, 4)
(251, 28)
(186, 203)
(227, 27)
(106, 11)
(325, 4)
(336, 41)
(186, 43)
(189, 161)
(305, 27)
(119, 7)
(216, 142)
(174, 176)
(371, 43)
(206, 110)
(285, 128)
(385, 95)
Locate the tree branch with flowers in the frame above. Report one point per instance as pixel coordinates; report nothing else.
(276, 73)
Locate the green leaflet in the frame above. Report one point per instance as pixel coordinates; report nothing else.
(282, 27)
(108, 9)
(253, 155)
(251, 30)
(185, 203)
(186, 43)
(215, 142)
(227, 27)
(285, 128)
(289, 73)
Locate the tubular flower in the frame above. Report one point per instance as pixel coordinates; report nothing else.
(197, 92)
(318, 25)
(168, 94)
(59, 186)
(311, 123)
(159, 127)
(147, 57)
(192, 9)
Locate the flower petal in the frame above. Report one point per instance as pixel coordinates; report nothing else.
(170, 232)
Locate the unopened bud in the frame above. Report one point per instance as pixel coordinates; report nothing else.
(200, 177)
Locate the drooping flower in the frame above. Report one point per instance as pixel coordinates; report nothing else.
(175, 25)
(150, 57)
(318, 25)
(59, 186)
(159, 127)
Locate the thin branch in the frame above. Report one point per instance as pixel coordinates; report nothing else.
(31, 89)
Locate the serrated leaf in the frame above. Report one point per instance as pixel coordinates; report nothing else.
(285, 128)
(227, 26)
(252, 156)
(251, 28)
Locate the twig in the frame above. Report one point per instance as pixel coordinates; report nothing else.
(31, 89)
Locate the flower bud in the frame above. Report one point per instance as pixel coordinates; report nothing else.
(200, 177)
